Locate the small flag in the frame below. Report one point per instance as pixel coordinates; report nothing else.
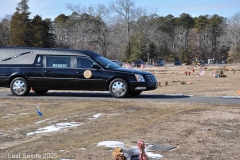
(39, 113)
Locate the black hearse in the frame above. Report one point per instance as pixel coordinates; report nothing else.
(22, 69)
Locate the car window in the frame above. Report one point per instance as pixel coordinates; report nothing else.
(39, 60)
(58, 61)
(106, 63)
(83, 62)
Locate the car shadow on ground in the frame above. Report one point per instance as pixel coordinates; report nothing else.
(107, 95)
(162, 96)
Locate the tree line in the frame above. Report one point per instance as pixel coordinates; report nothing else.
(125, 32)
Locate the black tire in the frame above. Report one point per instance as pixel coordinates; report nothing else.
(118, 88)
(40, 91)
(19, 86)
(135, 93)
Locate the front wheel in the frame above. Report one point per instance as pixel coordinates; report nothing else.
(19, 86)
(118, 88)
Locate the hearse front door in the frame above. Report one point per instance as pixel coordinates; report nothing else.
(58, 72)
(87, 77)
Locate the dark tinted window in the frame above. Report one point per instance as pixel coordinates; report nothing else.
(39, 60)
(84, 62)
(106, 63)
(58, 61)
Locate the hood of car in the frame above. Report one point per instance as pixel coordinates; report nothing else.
(130, 70)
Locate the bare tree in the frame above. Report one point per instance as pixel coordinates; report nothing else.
(127, 10)
(60, 29)
(91, 27)
(5, 30)
(205, 43)
(233, 35)
(146, 25)
(179, 39)
(116, 40)
(194, 44)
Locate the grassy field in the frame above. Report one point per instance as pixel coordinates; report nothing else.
(206, 85)
(200, 131)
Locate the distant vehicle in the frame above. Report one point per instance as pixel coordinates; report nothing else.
(160, 63)
(221, 61)
(224, 61)
(201, 63)
(188, 62)
(210, 61)
(138, 63)
(177, 63)
(118, 62)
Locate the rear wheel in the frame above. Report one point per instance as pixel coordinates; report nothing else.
(19, 86)
(135, 93)
(40, 91)
(118, 88)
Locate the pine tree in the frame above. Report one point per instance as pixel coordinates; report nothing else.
(41, 32)
(49, 36)
(20, 26)
(37, 30)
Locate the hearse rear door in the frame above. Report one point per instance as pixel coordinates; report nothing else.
(87, 77)
(58, 72)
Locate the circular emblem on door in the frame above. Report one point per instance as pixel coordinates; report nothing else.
(87, 74)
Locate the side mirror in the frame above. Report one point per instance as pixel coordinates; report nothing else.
(96, 66)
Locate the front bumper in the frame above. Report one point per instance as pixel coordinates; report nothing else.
(143, 86)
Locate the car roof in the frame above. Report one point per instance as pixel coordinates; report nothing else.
(49, 51)
(26, 55)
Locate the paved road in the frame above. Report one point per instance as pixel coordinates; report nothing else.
(145, 97)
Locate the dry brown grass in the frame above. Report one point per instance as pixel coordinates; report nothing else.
(200, 131)
(206, 85)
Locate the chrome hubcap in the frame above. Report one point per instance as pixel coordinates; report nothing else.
(19, 87)
(118, 88)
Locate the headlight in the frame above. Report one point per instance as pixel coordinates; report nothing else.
(139, 78)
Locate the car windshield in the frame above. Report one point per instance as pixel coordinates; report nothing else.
(106, 63)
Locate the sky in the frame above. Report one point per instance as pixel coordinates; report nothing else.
(52, 8)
